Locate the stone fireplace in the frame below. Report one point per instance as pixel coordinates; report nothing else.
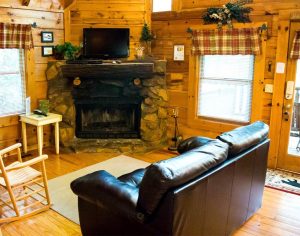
(108, 106)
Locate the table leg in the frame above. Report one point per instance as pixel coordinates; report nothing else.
(40, 139)
(24, 135)
(57, 137)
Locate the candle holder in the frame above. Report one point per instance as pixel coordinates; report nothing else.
(176, 137)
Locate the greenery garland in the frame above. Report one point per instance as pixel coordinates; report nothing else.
(230, 11)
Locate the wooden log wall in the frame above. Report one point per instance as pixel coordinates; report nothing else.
(170, 29)
(48, 16)
(109, 14)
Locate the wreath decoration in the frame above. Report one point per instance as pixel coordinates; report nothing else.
(228, 12)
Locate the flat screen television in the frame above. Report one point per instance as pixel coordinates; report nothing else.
(105, 43)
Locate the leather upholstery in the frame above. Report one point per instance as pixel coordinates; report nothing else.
(102, 188)
(191, 143)
(163, 175)
(201, 192)
(244, 137)
(133, 178)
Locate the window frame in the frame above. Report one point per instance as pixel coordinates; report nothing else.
(216, 124)
(21, 72)
(152, 8)
(220, 78)
(176, 5)
(10, 120)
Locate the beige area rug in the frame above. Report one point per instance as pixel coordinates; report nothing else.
(64, 201)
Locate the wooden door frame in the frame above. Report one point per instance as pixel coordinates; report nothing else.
(217, 125)
(285, 18)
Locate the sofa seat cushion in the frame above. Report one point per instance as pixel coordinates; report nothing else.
(161, 176)
(133, 178)
(191, 143)
(244, 137)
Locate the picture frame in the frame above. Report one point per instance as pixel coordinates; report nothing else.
(178, 52)
(47, 37)
(47, 51)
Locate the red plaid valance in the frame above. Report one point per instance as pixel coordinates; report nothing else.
(15, 36)
(295, 52)
(244, 41)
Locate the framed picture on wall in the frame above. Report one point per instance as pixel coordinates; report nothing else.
(47, 51)
(178, 53)
(47, 37)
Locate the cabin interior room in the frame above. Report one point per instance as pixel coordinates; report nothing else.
(150, 117)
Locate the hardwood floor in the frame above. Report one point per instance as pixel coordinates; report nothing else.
(279, 215)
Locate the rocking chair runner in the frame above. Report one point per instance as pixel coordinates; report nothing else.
(23, 186)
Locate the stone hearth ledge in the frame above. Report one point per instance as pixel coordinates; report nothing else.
(154, 115)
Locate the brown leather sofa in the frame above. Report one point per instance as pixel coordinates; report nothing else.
(209, 190)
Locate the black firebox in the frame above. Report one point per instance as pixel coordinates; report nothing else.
(108, 118)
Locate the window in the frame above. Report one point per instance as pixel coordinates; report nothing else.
(225, 87)
(12, 84)
(162, 5)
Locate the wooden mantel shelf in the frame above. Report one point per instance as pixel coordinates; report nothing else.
(109, 70)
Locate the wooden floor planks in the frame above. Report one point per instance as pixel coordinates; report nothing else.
(279, 215)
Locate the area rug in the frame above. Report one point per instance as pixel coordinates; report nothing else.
(64, 201)
(284, 181)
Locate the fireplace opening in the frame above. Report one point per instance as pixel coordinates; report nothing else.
(108, 118)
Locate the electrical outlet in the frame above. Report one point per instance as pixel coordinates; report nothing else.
(269, 88)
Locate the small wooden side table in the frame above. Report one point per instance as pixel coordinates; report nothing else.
(39, 121)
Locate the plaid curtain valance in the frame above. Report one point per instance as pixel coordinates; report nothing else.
(244, 41)
(295, 52)
(15, 36)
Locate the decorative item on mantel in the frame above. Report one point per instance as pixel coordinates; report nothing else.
(139, 52)
(146, 38)
(67, 51)
(177, 137)
(228, 12)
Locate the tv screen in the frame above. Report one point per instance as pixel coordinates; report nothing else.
(105, 43)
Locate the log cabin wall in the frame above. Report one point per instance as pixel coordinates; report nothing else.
(170, 29)
(108, 14)
(48, 16)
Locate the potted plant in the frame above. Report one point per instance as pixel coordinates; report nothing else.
(66, 51)
(146, 38)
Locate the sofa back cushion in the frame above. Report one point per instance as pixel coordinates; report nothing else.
(244, 137)
(161, 176)
(191, 143)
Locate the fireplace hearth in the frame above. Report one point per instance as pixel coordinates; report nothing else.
(110, 106)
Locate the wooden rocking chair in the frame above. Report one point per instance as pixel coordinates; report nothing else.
(21, 187)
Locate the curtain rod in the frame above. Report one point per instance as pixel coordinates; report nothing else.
(261, 28)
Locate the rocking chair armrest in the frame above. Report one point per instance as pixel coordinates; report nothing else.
(27, 163)
(10, 148)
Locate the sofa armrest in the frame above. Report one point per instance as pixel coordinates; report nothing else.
(105, 190)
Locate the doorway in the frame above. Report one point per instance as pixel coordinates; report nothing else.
(289, 147)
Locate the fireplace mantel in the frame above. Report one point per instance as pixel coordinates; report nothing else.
(109, 70)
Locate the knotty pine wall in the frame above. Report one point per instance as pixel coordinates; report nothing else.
(170, 29)
(109, 14)
(48, 15)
